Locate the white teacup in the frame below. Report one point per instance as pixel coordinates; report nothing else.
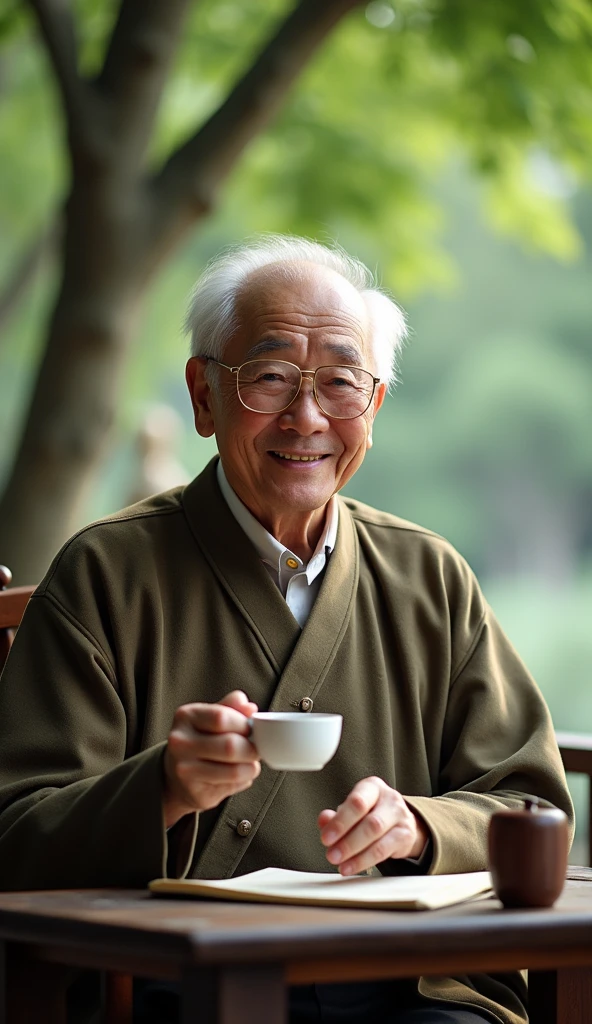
(292, 741)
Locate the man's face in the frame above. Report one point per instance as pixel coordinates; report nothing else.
(314, 320)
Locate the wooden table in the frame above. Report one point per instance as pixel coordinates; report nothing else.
(234, 960)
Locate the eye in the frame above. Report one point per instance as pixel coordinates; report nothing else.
(269, 377)
(340, 382)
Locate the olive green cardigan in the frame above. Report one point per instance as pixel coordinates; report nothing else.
(167, 602)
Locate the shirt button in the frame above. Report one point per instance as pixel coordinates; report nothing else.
(244, 827)
(306, 704)
(291, 563)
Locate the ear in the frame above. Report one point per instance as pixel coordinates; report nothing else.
(379, 397)
(378, 400)
(201, 396)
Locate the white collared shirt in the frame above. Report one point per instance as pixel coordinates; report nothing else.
(297, 582)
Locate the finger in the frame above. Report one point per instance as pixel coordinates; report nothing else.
(358, 804)
(207, 795)
(238, 700)
(210, 718)
(396, 842)
(212, 796)
(193, 774)
(192, 785)
(325, 817)
(389, 811)
(384, 816)
(228, 747)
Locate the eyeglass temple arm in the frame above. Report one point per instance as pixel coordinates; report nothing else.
(210, 359)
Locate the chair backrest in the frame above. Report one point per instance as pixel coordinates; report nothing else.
(12, 606)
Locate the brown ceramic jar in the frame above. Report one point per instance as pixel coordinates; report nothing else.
(528, 851)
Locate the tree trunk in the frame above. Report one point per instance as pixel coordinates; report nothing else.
(119, 227)
(20, 279)
(73, 406)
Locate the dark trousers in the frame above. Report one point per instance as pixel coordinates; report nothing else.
(362, 1003)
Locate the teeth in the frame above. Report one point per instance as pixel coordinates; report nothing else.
(298, 458)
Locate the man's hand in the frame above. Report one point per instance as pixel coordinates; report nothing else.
(371, 825)
(208, 756)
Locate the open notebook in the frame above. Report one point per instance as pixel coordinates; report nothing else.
(276, 885)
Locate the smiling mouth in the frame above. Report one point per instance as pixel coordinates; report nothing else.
(298, 458)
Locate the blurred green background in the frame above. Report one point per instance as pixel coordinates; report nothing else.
(484, 238)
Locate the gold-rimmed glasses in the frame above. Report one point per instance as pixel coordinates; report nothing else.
(271, 385)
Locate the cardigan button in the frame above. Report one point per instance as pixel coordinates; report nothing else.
(244, 827)
(306, 704)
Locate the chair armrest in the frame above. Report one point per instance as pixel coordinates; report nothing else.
(576, 752)
(12, 606)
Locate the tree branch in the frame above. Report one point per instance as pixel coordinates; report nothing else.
(190, 180)
(57, 28)
(136, 65)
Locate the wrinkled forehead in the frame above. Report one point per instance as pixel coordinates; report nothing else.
(295, 295)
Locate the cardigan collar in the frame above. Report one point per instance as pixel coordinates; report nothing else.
(295, 654)
(271, 550)
(301, 659)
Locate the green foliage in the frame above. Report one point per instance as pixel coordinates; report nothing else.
(488, 432)
(362, 152)
(369, 127)
(12, 21)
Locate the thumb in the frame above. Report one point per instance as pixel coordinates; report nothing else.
(238, 700)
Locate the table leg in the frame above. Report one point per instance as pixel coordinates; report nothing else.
(560, 997)
(31, 992)
(234, 995)
(542, 997)
(117, 997)
(3, 983)
(574, 995)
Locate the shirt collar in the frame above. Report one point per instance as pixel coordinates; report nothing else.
(271, 550)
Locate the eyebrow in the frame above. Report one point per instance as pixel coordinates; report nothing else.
(339, 348)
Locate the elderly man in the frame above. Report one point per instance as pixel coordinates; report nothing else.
(258, 586)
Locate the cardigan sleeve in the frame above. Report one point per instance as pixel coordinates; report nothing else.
(74, 810)
(498, 746)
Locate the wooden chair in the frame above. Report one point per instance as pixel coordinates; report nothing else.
(576, 752)
(12, 606)
(49, 1005)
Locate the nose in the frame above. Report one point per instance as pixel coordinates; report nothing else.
(304, 414)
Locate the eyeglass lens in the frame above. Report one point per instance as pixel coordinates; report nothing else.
(270, 385)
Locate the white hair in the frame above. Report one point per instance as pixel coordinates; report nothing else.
(212, 320)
